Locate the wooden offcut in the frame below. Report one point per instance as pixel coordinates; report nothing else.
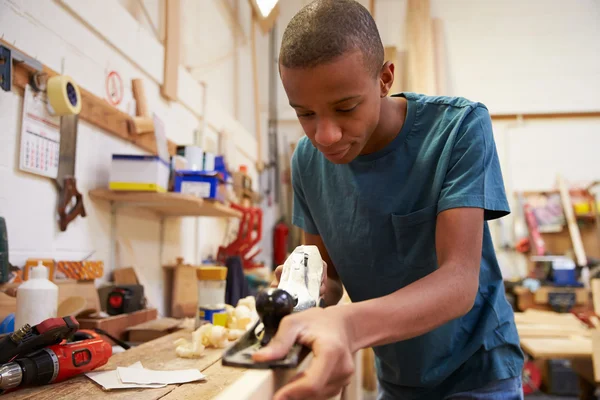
(421, 75)
(571, 222)
(259, 160)
(172, 49)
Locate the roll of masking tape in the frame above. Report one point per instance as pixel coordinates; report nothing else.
(64, 97)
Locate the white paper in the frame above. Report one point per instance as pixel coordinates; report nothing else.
(40, 136)
(109, 380)
(148, 376)
(162, 146)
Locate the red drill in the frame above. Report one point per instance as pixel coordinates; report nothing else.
(56, 363)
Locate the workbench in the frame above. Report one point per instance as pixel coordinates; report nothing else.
(220, 384)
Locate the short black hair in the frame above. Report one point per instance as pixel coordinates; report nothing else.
(326, 29)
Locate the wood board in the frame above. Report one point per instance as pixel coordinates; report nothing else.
(158, 354)
(531, 316)
(596, 354)
(168, 204)
(557, 347)
(95, 111)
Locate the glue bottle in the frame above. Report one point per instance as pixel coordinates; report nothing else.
(37, 298)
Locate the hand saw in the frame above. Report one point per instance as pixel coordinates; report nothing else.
(70, 201)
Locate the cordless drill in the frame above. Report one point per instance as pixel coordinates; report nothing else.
(56, 363)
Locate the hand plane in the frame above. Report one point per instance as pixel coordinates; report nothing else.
(298, 290)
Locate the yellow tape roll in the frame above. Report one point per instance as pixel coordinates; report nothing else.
(63, 95)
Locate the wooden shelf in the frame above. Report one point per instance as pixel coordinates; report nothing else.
(168, 204)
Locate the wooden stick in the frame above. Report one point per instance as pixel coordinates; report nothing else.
(143, 125)
(259, 160)
(571, 222)
(139, 94)
(421, 68)
(172, 49)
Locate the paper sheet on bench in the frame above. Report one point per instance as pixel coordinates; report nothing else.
(148, 376)
(109, 380)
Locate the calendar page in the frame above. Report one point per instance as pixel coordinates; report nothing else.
(40, 136)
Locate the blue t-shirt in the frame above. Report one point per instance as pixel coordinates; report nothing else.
(377, 218)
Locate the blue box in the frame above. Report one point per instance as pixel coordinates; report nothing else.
(565, 277)
(202, 184)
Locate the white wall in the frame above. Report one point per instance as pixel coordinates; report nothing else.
(89, 39)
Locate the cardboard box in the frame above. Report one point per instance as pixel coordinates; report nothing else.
(117, 325)
(139, 173)
(151, 330)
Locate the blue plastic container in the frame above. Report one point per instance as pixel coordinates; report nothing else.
(203, 184)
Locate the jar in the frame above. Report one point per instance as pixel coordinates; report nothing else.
(211, 295)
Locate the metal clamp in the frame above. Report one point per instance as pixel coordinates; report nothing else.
(7, 57)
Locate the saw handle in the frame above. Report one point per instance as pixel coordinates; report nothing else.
(272, 305)
(68, 192)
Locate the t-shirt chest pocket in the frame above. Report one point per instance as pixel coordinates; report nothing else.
(415, 238)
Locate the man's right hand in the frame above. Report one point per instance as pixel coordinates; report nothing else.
(279, 270)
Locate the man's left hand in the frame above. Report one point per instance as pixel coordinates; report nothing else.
(326, 332)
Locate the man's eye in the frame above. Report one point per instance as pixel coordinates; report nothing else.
(347, 110)
(304, 115)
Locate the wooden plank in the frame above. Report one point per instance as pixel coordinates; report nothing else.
(571, 222)
(549, 330)
(172, 49)
(259, 159)
(218, 378)
(557, 347)
(96, 111)
(421, 63)
(595, 286)
(596, 354)
(372, 8)
(168, 204)
(548, 317)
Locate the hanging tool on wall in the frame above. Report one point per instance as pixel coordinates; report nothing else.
(8, 56)
(64, 100)
(4, 263)
(70, 201)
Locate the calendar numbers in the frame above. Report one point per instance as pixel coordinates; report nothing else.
(40, 136)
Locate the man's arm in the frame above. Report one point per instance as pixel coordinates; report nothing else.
(439, 297)
(333, 288)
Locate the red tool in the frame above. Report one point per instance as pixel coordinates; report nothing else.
(57, 362)
(26, 339)
(248, 235)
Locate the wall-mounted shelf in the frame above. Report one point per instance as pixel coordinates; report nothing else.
(168, 204)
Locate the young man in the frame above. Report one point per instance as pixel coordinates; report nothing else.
(396, 192)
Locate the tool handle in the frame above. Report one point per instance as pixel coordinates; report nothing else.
(68, 192)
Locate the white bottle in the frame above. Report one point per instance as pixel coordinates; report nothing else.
(37, 298)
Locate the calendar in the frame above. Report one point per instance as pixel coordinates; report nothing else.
(40, 136)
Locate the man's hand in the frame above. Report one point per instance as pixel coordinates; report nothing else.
(326, 332)
(279, 270)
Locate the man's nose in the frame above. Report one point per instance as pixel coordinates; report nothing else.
(328, 133)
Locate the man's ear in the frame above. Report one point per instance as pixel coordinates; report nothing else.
(386, 78)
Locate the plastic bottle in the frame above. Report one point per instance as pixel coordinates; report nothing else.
(37, 298)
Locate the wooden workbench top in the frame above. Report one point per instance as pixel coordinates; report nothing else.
(158, 354)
